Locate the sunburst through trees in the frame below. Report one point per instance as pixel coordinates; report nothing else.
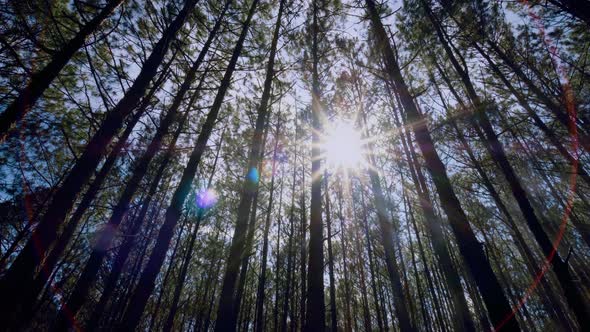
(294, 165)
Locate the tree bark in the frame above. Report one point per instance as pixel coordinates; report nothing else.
(478, 264)
(315, 308)
(46, 232)
(333, 312)
(41, 80)
(496, 151)
(259, 322)
(146, 282)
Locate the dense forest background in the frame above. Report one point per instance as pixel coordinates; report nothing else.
(277, 165)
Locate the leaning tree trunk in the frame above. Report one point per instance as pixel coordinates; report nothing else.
(559, 113)
(128, 243)
(46, 232)
(32, 287)
(386, 228)
(259, 321)
(577, 164)
(105, 239)
(462, 319)
(496, 151)
(94, 188)
(31, 293)
(147, 280)
(169, 324)
(496, 301)
(551, 302)
(227, 304)
(41, 80)
(133, 230)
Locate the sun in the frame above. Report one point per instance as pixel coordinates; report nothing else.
(342, 146)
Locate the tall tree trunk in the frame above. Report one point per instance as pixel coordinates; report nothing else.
(30, 293)
(382, 296)
(462, 319)
(302, 248)
(422, 302)
(105, 239)
(371, 259)
(212, 278)
(290, 251)
(559, 113)
(496, 301)
(94, 188)
(347, 293)
(278, 262)
(552, 303)
(45, 234)
(227, 305)
(132, 231)
(386, 228)
(315, 316)
(146, 283)
(288, 282)
(212, 299)
(437, 304)
(249, 250)
(167, 275)
(496, 151)
(201, 214)
(259, 322)
(41, 80)
(575, 162)
(32, 287)
(360, 261)
(333, 312)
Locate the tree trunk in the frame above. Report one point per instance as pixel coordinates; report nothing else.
(488, 284)
(421, 296)
(561, 115)
(347, 294)
(333, 312)
(104, 242)
(41, 80)
(259, 322)
(371, 260)
(579, 166)
(386, 228)
(315, 308)
(146, 283)
(496, 151)
(132, 231)
(28, 298)
(290, 251)
(361, 268)
(201, 214)
(45, 234)
(278, 262)
(552, 304)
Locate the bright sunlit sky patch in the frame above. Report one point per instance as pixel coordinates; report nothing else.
(342, 146)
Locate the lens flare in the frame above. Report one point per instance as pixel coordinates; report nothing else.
(206, 198)
(253, 175)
